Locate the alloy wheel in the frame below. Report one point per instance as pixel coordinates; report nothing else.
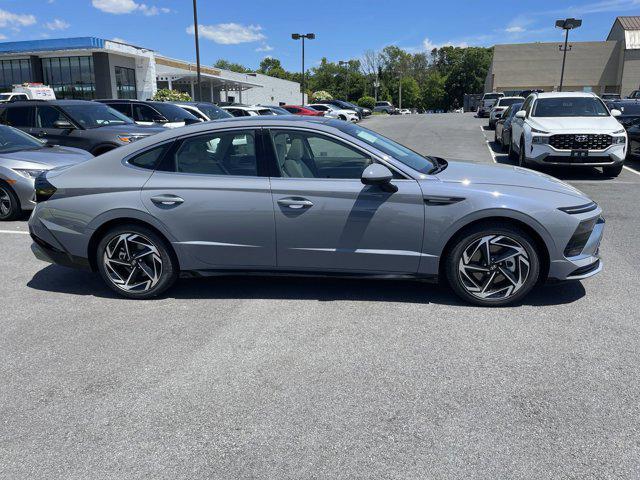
(132, 262)
(494, 267)
(5, 203)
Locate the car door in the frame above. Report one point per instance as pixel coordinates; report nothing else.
(46, 129)
(327, 220)
(212, 193)
(20, 116)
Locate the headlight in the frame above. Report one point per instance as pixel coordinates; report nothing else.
(619, 140)
(539, 140)
(129, 138)
(27, 173)
(535, 130)
(619, 132)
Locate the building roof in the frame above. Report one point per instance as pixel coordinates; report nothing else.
(55, 44)
(630, 23)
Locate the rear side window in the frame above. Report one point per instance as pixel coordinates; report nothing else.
(149, 159)
(19, 116)
(144, 113)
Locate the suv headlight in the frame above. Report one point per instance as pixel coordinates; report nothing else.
(27, 172)
(130, 138)
(535, 130)
(539, 140)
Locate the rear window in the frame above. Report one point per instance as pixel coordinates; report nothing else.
(505, 102)
(149, 159)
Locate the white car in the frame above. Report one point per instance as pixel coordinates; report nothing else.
(404, 111)
(568, 128)
(498, 109)
(332, 111)
(247, 111)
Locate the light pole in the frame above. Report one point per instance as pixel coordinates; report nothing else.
(346, 79)
(298, 36)
(195, 31)
(566, 25)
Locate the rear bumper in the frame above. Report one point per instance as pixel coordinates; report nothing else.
(46, 247)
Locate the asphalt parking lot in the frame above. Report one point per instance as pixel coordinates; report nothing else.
(281, 378)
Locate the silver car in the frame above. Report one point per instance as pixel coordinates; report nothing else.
(306, 196)
(22, 159)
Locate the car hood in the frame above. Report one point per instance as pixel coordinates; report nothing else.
(131, 129)
(505, 175)
(49, 157)
(606, 124)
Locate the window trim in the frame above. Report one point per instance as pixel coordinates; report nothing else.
(273, 159)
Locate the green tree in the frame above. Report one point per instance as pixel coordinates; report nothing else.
(166, 95)
(410, 93)
(367, 102)
(321, 95)
(273, 67)
(234, 67)
(432, 91)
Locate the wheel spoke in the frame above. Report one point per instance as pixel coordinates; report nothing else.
(132, 262)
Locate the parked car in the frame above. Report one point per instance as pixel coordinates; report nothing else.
(143, 112)
(526, 93)
(204, 111)
(331, 111)
(503, 126)
(635, 94)
(275, 109)
(487, 103)
(300, 110)
(91, 126)
(610, 96)
(28, 91)
(568, 128)
(384, 107)
(499, 108)
(310, 196)
(247, 111)
(404, 111)
(344, 105)
(22, 159)
(629, 111)
(633, 132)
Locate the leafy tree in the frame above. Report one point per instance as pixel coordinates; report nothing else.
(234, 67)
(166, 95)
(410, 92)
(321, 95)
(432, 91)
(367, 102)
(273, 67)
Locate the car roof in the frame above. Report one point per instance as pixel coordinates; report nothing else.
(565, 95)
(49, 102)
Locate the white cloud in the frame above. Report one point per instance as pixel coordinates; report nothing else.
(8, 19)
(514, 29)
(57, 24)
(264, 48)
(3, 37)
(428, 45)
(119, 7)
(229, 33)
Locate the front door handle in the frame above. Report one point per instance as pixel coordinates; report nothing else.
(167, 200)
(295, 203)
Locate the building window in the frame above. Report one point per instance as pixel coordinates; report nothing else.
(126, 82)
(13, 72)
(70, 77)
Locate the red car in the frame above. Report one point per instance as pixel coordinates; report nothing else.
(298, 110)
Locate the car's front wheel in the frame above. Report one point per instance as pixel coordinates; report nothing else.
(522, 156)
(612, 171)
(9, 203)
(493, 265)
(136, 262)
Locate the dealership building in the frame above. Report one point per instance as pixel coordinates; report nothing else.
(610, 66)
(91, 67)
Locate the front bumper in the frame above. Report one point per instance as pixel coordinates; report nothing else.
(544, 154)
(23, 188)
(587, 264)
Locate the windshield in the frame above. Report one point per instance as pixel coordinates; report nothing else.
(505, 102)
(95, 115)
(399, 152)
(173, 113)
(13, 140)
(213, 112)
(570, 107)
(5, 96)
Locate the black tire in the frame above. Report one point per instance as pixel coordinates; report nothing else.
(503, 146)
(512, 153)
(169, 269)
(522, 155)
(9, 203)
(495, 137)
(612, 171)
(473, 234)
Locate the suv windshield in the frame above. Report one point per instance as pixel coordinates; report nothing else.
(95, 115)
(399, 152)
(13, 140)
(173, 113)
(213, 112)
(569, 107)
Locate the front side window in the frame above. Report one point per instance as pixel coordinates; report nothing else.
(309, 155)
(570, 107)
(144, 113)
(47, 116)
(219, 153)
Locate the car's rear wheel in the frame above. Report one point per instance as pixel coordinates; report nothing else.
(136, 262)
(9, 203)
(493, 265)
(612, 171)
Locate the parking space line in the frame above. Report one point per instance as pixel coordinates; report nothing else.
(632, 170)
(486, 141)
(15, 231)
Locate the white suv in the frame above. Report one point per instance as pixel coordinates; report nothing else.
(568, 128)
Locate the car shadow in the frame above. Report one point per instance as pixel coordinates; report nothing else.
(68, 281)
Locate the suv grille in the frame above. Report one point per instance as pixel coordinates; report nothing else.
(580, 142)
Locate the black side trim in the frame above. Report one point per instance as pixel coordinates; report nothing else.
(437, 200)
(586, 269)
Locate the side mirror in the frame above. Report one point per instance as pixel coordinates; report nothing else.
(521, 114)
(63, 125)
(615, 112)
(379, 175)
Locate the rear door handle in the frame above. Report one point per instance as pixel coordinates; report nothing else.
(167, 200)
(295, 203)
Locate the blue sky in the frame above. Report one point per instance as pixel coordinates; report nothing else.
(248, 30)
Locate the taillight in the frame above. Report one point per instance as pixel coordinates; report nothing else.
(44, 190)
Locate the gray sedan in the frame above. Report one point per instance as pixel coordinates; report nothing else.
(302, 196)
(22, 159)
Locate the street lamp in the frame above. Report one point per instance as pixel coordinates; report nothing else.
(346, 79)
(298, 36)
(566, 25)
(195, 31)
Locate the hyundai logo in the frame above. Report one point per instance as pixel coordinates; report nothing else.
(581, 138)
